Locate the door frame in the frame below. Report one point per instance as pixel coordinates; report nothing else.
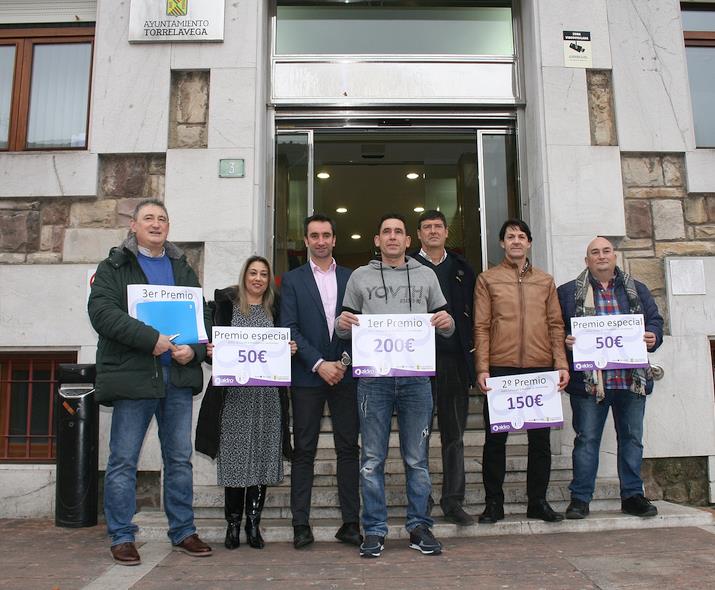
(308, 121)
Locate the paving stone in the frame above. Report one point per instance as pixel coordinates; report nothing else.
(43, 556)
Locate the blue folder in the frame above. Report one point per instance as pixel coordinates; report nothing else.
(171, 317)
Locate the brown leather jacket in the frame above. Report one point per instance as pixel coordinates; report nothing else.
(518, 320)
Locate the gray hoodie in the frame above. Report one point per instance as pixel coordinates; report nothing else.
(378, 288)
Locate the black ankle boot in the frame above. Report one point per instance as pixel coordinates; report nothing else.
(233, 529)
(255, 497)
(233, 511)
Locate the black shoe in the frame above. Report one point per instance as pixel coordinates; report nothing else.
(492, 513)
(422, 539)
(349, 533)
(638, 505)
(302, 536)
(372, 546)
(542, 510)
(232, 534)
(457, 515)
(577, 510)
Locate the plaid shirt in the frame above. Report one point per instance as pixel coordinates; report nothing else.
(607, 304)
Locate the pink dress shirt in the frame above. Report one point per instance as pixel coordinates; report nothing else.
(327, 283)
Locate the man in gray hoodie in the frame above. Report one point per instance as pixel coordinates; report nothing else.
(396, 284)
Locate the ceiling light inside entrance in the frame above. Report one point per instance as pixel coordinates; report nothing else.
(412, 176)
(418, 209)
(341, 210)
(356, 236)
(323, 175)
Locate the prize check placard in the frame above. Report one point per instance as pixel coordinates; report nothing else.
(387, 345)
(609, 342)
(174, 311)
(521, 402)
(251, 356)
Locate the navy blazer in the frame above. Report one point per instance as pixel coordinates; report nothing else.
(302, 311)
(651, 315)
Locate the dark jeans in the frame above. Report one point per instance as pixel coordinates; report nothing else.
(538, 468)
(450, 390)
(589, 418)
(308, 404)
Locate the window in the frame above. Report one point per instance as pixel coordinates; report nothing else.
(44, 87)
(394, 27)
(699, 32)
(28, 386)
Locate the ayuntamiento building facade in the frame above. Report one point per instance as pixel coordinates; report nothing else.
(584, 117)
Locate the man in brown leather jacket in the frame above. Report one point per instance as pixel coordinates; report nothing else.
(518, 329)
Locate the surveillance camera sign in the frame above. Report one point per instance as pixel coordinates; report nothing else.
(577, 49)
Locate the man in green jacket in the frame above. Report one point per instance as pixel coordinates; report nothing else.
(142, 374)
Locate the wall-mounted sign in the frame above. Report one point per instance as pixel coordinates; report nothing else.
(232, 168)
(577, 49)
(162, 21)
(687, 276)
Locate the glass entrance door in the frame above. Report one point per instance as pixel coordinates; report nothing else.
(355, 176)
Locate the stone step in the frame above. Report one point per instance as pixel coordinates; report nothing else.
(208, 500)
(472, 463)
(472, 477)
(475, 419)
(605, 515)
(472, 438)
(325, 471)
(515, 448)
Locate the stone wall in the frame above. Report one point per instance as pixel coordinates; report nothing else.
(679, 479)
(189, 109)
(72, 230)
(662, 219)
(601, 117)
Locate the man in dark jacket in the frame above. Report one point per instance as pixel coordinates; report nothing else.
(311, 298)
(142, 374)
(604, 289)
(455, 358)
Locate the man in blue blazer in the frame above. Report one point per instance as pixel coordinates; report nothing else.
(311, 297)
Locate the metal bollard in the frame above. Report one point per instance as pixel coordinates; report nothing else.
(77, 432)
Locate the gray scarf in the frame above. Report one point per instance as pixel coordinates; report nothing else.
(585, 306)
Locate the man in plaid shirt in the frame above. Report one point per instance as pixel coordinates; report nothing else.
(604, 289)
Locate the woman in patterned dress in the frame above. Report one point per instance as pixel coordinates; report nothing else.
(250, 442)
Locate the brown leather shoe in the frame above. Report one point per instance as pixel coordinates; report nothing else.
(194, 546)
(125, 554)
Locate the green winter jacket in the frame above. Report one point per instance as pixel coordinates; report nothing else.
(126, 367)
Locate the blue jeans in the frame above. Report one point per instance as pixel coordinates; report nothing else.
(377, 399)
(130, 420)
(589, 418)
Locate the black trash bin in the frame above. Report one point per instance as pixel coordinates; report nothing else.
(77, 432)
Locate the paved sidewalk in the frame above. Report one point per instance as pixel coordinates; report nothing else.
(36, 555)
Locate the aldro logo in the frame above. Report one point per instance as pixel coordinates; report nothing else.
(177, 7)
